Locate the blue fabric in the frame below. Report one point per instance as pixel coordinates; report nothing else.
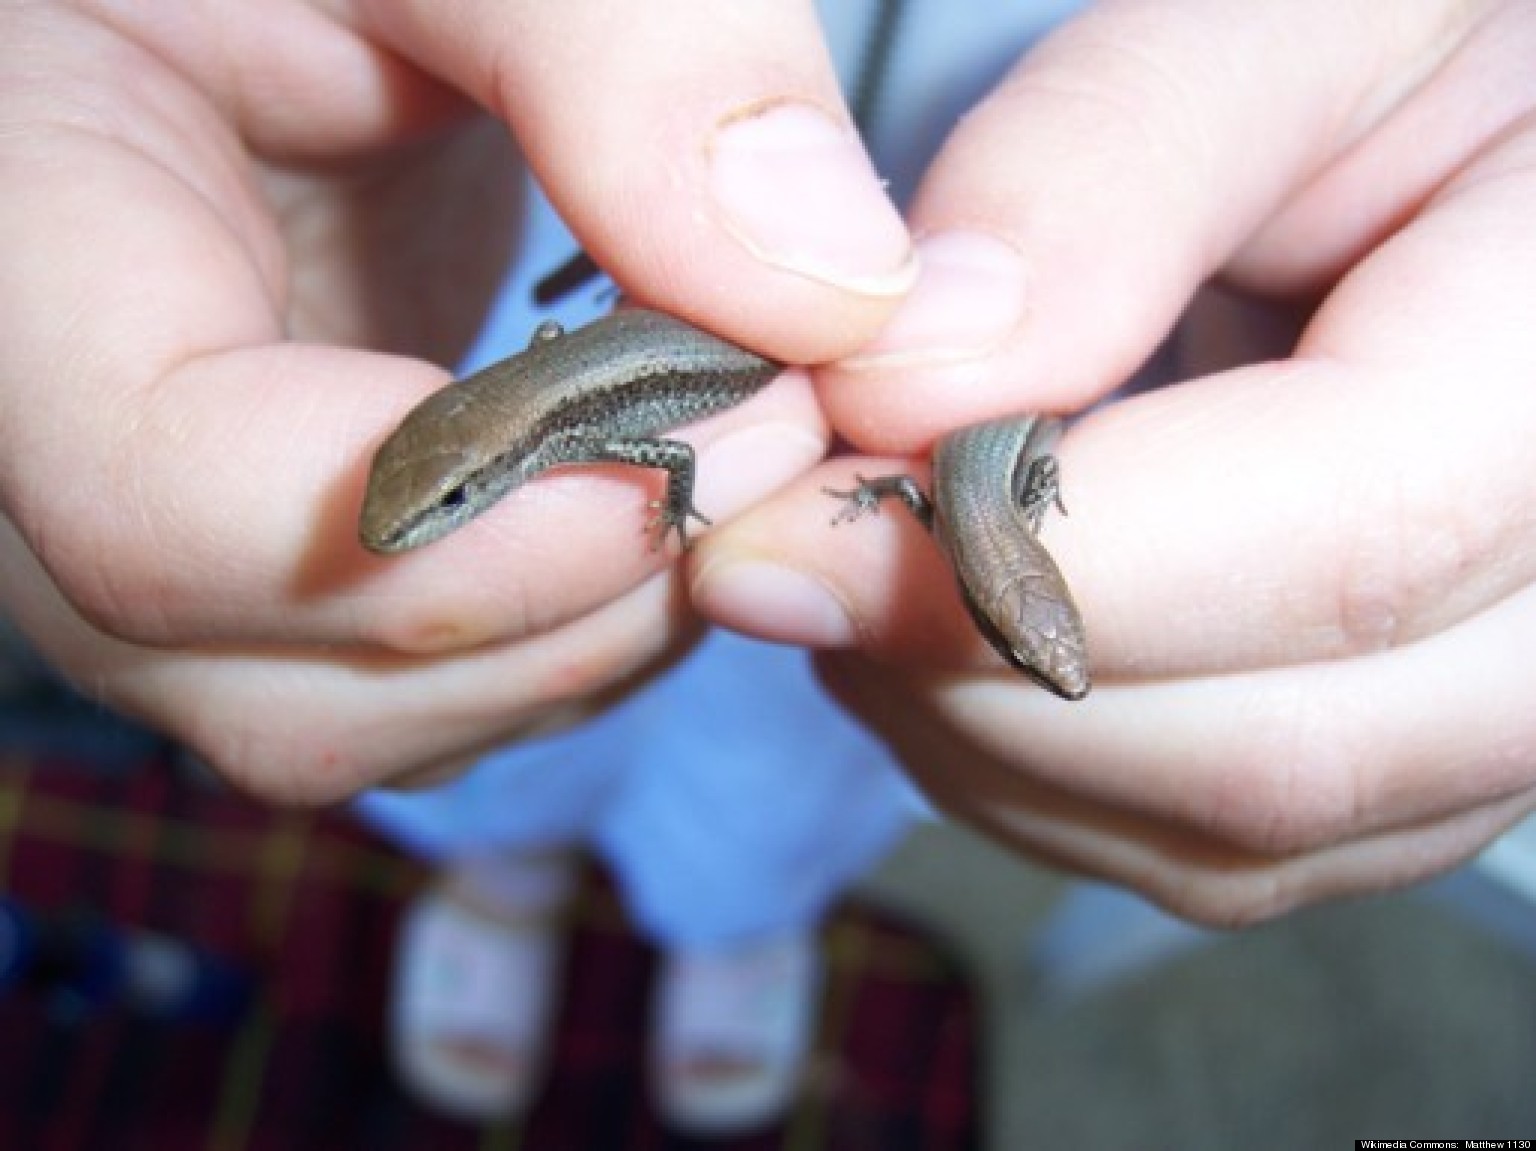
(732, 798)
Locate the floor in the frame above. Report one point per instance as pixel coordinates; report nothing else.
(1399, 1017)
(1393, 1017)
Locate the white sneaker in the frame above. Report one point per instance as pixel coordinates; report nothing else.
(731, 1031)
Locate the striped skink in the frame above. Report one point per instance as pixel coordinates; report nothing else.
(992, 484)
(602, 393)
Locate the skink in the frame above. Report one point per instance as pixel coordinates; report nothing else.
(600, 393)
(992, 484)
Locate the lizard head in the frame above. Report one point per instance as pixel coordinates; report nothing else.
(424, 483)
(1043, 637)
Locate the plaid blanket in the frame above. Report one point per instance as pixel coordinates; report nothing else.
(296, 912)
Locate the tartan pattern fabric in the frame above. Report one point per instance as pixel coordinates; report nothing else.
(308, 903)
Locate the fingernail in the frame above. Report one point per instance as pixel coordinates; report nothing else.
(797, 189)
(970, 298)
(788, 604)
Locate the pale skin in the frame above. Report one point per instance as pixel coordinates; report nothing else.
(1306, 579)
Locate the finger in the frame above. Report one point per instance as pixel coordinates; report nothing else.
(1224, 890)
(1200, 876)
(1365, 494)
(1072, 214)
(1280, 759)
(348, 724)
(292, 725)
(1294, 759)
(792, 571)
(702, 154)
(1463, 103)
(239, 490)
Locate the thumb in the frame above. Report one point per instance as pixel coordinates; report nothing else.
(701, 152)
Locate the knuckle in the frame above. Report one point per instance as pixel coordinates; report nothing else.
(120, 599)
(120, 605)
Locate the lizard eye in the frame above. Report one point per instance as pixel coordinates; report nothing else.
(454, 498)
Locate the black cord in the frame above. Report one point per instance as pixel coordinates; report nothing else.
(874, 68)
